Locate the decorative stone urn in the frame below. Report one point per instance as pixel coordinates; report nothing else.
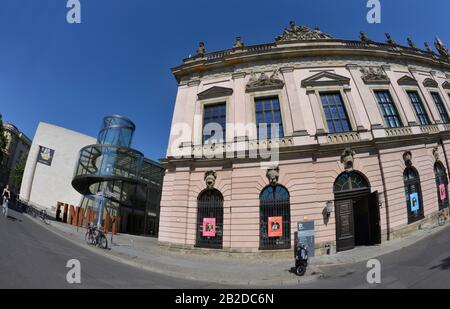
(210, 179)
(347, 159)
(272, 175)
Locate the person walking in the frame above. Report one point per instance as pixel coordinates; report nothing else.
(6, 196)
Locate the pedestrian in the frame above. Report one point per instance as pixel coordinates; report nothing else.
(6, 196)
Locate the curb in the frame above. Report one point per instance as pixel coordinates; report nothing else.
(118, 257)
(428, 233)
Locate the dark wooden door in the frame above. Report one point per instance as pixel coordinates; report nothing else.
(374, 213)
(345, 229)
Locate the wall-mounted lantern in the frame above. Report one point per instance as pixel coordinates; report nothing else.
(327, 211)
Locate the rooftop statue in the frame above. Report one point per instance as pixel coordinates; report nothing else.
(442, 49)
(201, 50)
(238, 42)
(364, 38)
(411, 43)
(390, 40)
(301, 33)
(428, 48)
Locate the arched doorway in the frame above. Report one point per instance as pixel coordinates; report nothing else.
(275, 218)
(210, 219)
(441, 185)
(413, 192)
(357, 212)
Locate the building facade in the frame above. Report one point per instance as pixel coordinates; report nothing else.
(117, 182)
(352, 135)
(18, 145)
(50, 167)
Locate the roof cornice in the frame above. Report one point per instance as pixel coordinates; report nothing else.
(291, 49)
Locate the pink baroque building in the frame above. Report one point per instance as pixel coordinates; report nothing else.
(352, 135)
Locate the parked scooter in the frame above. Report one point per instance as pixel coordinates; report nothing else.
(301, 260)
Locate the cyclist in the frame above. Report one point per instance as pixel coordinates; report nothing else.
(6, 196)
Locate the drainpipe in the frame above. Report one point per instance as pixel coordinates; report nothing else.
(386, 203)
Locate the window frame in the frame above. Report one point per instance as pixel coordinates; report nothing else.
(283, 111)
(349, 111)
(424, 104)
(212, 102)
(436, 92)
(395, 102)
(262, 98)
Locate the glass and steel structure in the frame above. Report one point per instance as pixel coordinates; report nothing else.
(117, 181)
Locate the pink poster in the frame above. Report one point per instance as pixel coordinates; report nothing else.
(442, 192)
(209, 227)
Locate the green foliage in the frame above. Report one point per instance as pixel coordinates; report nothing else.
(20, 168)
(3, 140)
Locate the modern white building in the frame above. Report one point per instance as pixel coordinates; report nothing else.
(50, 167)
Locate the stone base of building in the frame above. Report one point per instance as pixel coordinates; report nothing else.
(325, 248)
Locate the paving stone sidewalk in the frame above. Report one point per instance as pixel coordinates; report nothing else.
(239, 270)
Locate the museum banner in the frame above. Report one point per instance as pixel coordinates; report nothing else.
(442, 192)
(414, 200)
(45, 155)
(209, 227)
(275, 227)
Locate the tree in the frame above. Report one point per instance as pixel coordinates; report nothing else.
(18, 172)
(3, 140)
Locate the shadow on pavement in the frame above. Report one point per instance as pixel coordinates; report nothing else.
(444, 265)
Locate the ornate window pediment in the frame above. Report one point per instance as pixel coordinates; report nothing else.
(264, 82)
(430, 83)
(215, 92)
(407, 81)
(372, 76)
(446, 85)
(325, 79)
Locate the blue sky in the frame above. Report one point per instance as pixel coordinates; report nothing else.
(118, 60)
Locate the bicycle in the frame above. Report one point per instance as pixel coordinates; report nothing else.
(96, 237)
(42, 214)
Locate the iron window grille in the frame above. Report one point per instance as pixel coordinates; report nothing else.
(275, 202)
(412, 185)
(441, 179)
(210, 205)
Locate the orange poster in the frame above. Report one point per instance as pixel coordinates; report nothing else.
(275, 226)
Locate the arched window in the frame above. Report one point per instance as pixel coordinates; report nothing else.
(210, 219)
(349, 181)
(275, 218)
(442, 185)
(413, 194)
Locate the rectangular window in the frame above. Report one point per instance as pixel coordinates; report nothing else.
(388, 109)
(335, 112)
(440, 106)
(214, 123)
(416, 101)
(268, 112)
